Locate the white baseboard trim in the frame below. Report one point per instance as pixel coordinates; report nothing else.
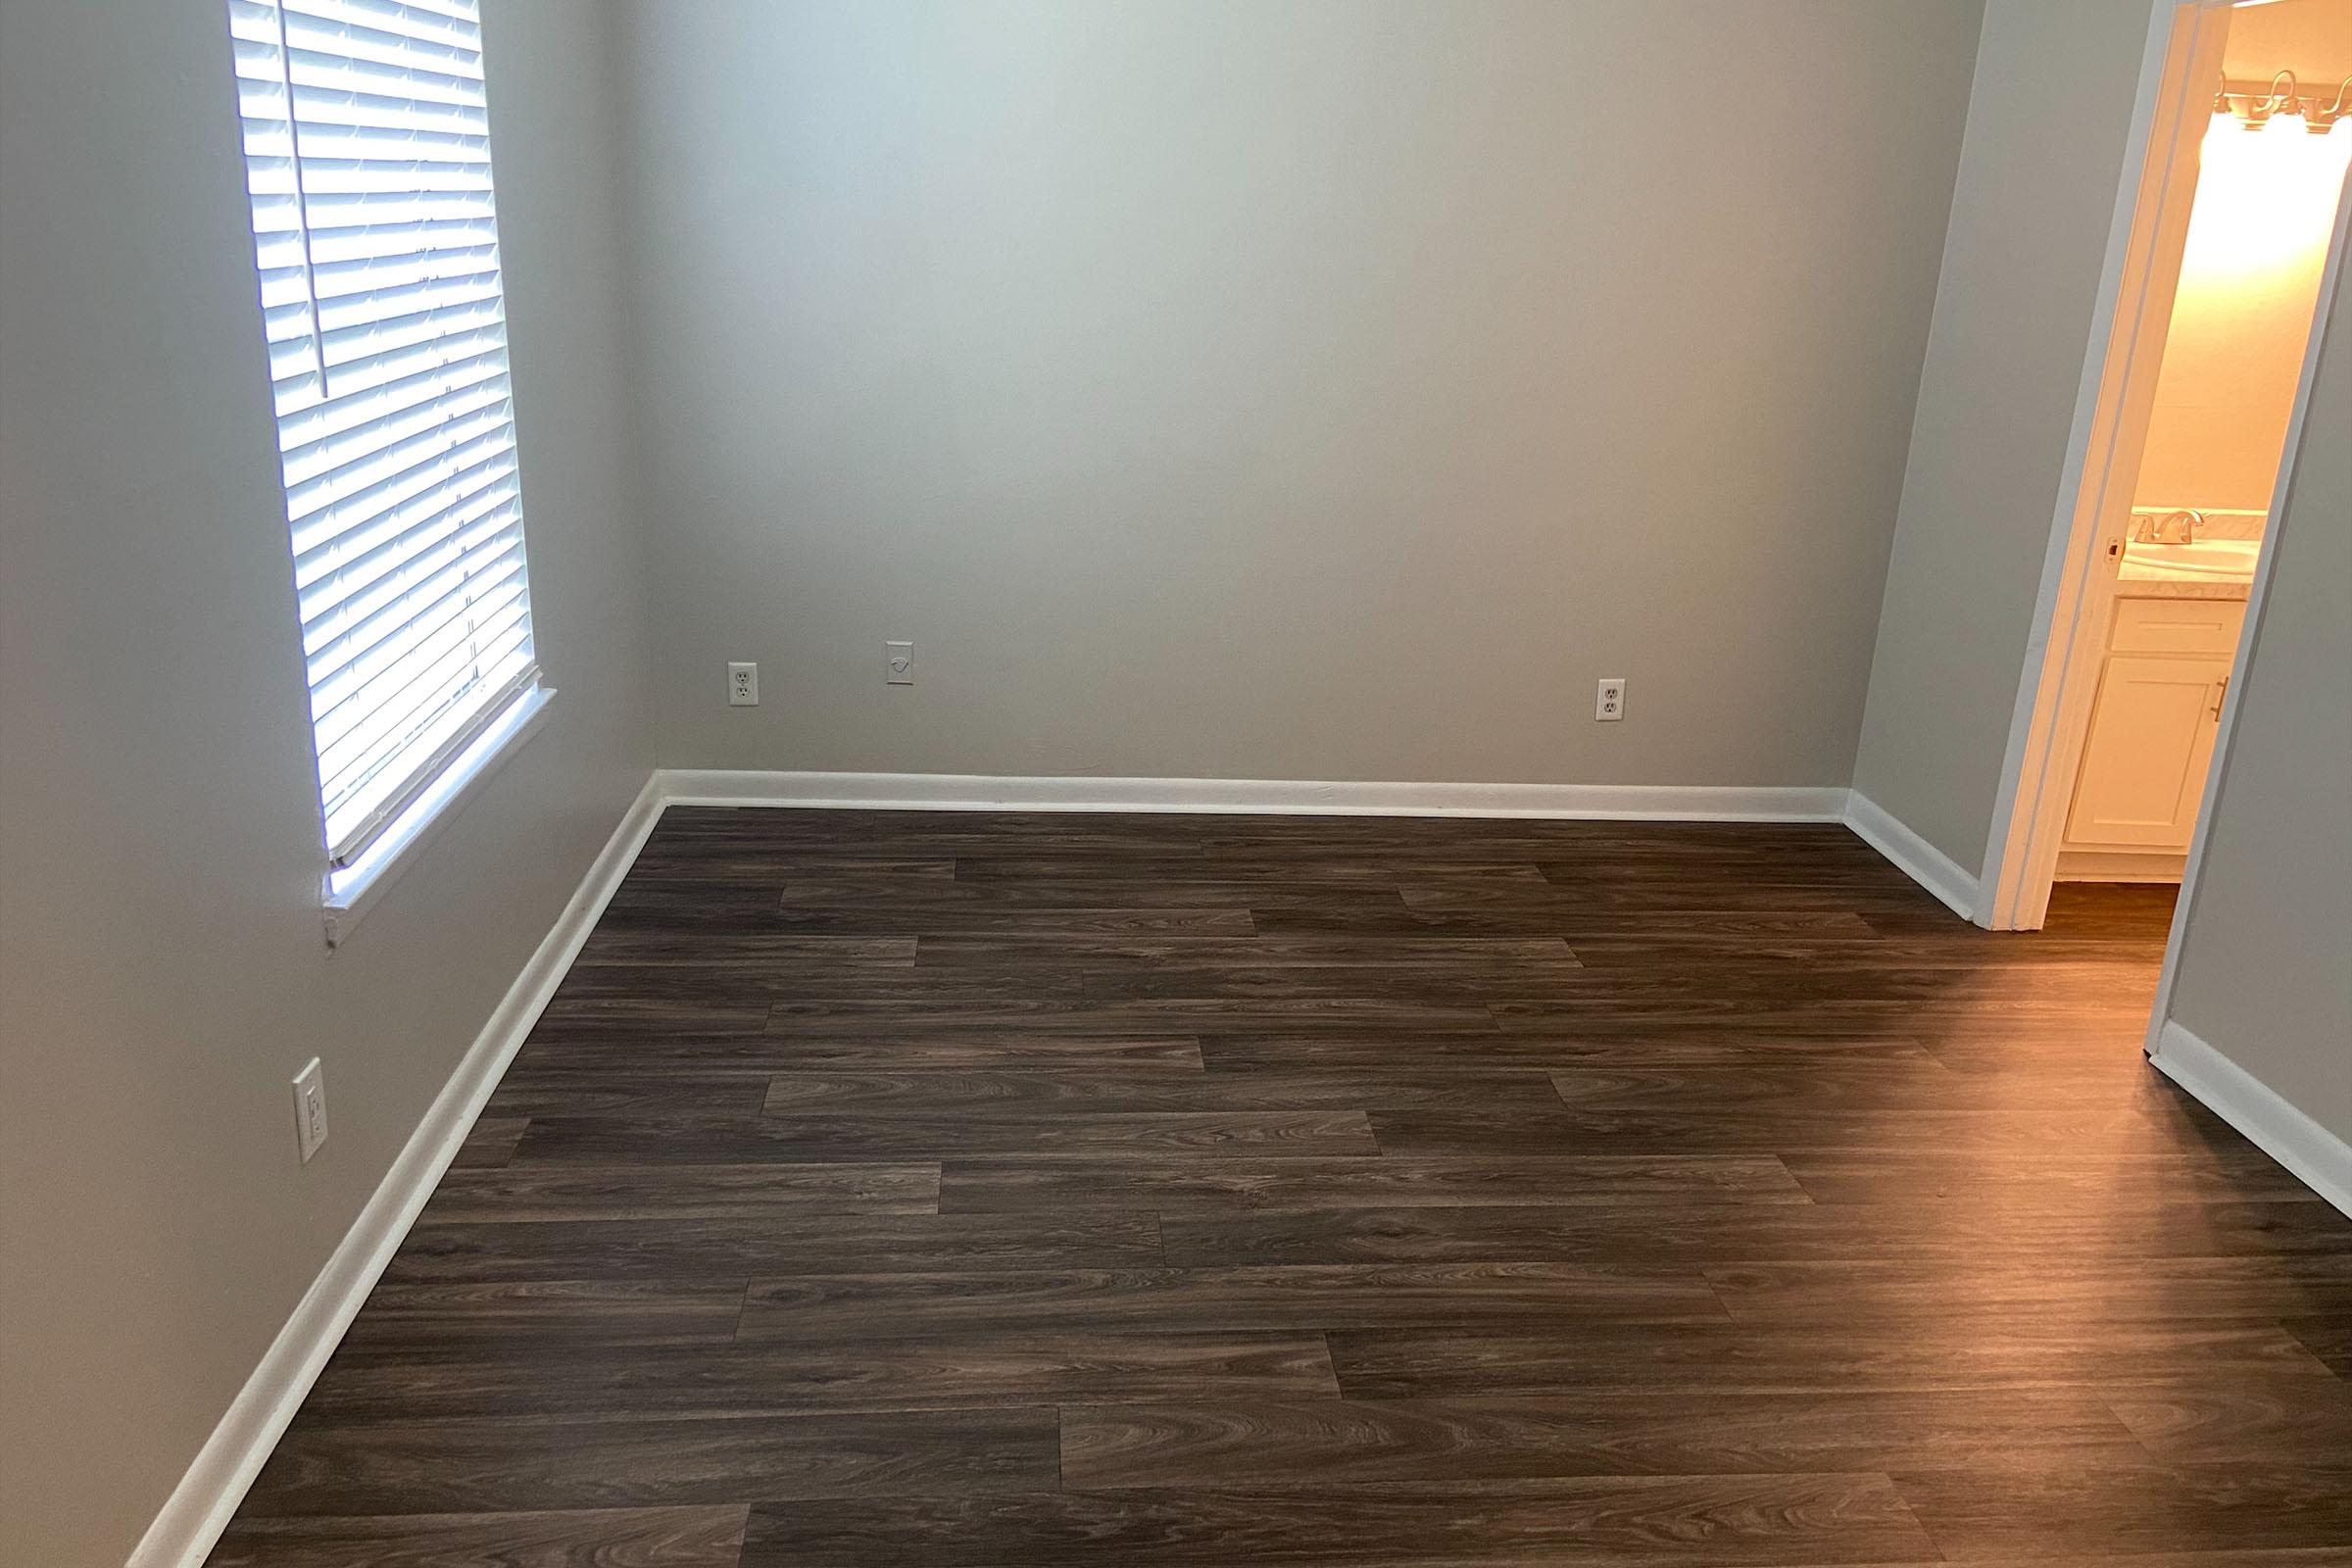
(2121, 865)
(200, 1506)
(959, 792)
(1923, 862)
(2313, 1155)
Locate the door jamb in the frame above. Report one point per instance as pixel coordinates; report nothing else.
(2061, 672)
(2060, 676)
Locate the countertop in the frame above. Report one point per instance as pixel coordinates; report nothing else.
(2209, 569)
(2146, 582)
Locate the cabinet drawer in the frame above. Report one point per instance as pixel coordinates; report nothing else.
(2175, 626)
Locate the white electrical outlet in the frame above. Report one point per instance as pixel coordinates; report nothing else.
(1608, 703)
(898, 666)
(310, 1108)
(743, 685)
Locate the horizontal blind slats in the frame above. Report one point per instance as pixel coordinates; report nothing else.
(455, 16)
(376, 117)
(398, 420)
(440, 671)
(320, 435)
(367, 143)
(445, 581)
(434, 670)
(457, 619)
(327, 568)
(332, 213)
(452, 729)
(351, 496)
(353, 596)
(443, 673)
(485, 522)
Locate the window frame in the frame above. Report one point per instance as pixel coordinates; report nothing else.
(485, 714)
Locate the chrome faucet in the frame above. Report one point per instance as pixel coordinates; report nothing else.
(2172, 528)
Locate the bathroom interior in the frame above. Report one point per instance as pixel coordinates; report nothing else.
(2169, 606)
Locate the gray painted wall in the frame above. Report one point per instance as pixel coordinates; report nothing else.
(1319, 390)
(2038, 175)
(161, 965)
(2266, 964)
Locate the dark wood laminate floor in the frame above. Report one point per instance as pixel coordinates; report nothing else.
(913, 1189)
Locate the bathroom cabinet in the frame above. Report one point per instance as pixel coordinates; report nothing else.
(2151, 735)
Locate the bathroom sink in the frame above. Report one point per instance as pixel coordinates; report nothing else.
(2228, 559)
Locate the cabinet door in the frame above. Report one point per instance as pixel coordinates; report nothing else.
(2151, 738)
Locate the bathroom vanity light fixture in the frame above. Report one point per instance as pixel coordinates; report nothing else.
(2266, 205)
(2320, 118)
(2255, 109)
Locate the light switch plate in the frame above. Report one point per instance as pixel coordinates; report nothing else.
(897, 664)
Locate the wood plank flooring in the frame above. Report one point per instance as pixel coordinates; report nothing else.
(1166, 1192)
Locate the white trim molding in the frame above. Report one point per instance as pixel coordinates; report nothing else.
(968, 792)
(2122, 865)
(1923, 862)
(353, 891)
(2313, 1155)
(199, 1508)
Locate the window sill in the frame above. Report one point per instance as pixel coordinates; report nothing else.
(353, 891)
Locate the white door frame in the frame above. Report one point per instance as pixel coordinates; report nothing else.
(2060, 678)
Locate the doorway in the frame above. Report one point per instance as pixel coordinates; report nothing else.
(2232, 227)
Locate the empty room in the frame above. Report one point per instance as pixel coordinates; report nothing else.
(1175, 783)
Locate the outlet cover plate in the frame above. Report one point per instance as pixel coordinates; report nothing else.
(310, 1108)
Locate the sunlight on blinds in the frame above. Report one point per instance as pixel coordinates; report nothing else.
(368, 159)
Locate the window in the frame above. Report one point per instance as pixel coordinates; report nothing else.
(367, 158)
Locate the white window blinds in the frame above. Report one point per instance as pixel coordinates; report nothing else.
(368, 156)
